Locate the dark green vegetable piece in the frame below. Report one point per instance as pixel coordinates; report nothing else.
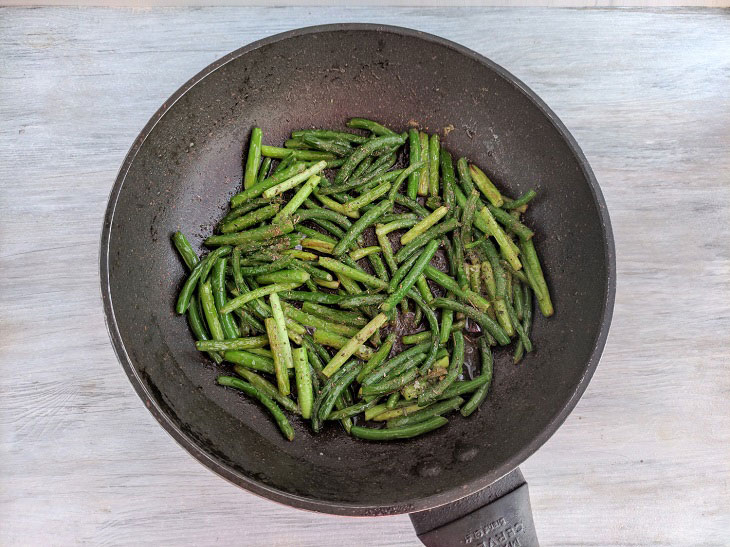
(296, 143)
(447, 321)
(254, 361)
(456, 363)
(434, 149)
(319, 213)
(412, 204)
(472, 313)
(486, 186)
(218, 286)
(315, 322)
(402, 367)
(449, 197)
(253, 295)
(416, 338)
(414, 144)
(447, 168)
(362, 168)
(379, 267)
(464, 176)
(254, 158)
(534, 272)
(467, 386)
(436, 409)
(319, 399)
(294, 277)
(526, 323)
(354, 410)
(201, 267)
(319, 298)
(270, 405)
(267, 388)
(252, 342)
(313, 271)
(377, 373)
(276, 329)
(393, 384)
(285, 163)
(423, 178)
(450, 285)
(526, 308)
(406, 432)
(392, 400)
(369, 125)
(264, 170)
(330, 164)
(424, 224)
(362, 152)
(354, 183)
(409, 280)
(500, 281)
(367, 198)
(275, 266)
(366, 220)
(243, 209)
(353, 273)
(187, 253)
(435, 335)
(377, 358)
(432, 233)
(510, 222)
(405, 219)
(251, 219)
(328, 134)
(210, 312)
(276, 245)
(198, 328)
(303, 155)
(353, 319)
(331, 227)
(256, 234)
(383, 163)
(190, 257)
(260, 187)
(518, 326)
(517, 274)
(401, 272)
(353, 367)
(303, 375)
(405, 173)
(467, 216)
(481, 393)
(326, 145)
(518, 300)
(459, 265)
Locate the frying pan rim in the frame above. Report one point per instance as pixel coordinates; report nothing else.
(340, 508)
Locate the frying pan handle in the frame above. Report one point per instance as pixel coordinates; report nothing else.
(499, 515)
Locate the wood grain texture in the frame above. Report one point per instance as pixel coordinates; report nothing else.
(380, 3)
(644, 458)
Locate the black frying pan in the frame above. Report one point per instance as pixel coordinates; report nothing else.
(187, 162)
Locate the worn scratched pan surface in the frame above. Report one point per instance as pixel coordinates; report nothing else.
(185, 165)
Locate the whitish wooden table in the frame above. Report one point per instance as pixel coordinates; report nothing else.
(643, 460)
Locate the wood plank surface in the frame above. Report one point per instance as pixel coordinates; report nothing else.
(643, 460)
(378, 3)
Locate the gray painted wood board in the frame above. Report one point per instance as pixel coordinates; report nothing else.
(643, 460)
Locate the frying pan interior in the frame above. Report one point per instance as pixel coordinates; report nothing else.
(186, 164)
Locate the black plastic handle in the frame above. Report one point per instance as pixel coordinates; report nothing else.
(498, 516)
